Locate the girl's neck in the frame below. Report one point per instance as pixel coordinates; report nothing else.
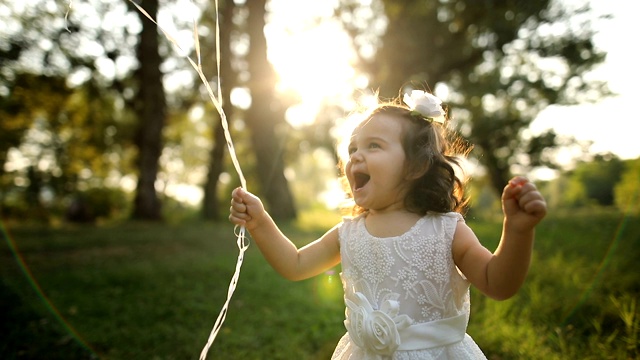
(390, 223)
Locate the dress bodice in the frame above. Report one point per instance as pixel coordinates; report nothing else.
(405, 298)
(416, 268)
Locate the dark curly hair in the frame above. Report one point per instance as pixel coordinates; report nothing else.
(432, 151)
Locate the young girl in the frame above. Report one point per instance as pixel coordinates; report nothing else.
(407, 256)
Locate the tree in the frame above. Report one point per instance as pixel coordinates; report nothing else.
(29, 96)
(593, 182)
(502, 62)
(210, 205)
(265, 118)
(115, 83)
(151, 108)
(600, 176)
(60, 113)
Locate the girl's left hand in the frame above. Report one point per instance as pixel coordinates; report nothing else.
(522, 204)
(246, 209)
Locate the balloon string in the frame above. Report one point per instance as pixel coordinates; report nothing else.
(242, 241)
(243, 244)
(198, 68)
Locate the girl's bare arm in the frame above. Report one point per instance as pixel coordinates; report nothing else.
(501, 274)
(282, 254)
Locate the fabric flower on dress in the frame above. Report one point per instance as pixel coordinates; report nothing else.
(375, 330)
(425, 105)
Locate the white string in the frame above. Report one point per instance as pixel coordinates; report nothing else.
(242, 242)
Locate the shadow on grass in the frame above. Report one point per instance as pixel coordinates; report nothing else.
(29, 332)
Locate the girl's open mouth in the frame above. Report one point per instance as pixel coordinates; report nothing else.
(361, 179)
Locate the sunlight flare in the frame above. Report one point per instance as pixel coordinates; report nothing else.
(313, 58)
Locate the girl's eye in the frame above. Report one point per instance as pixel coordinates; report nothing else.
(374, 145)
(352, 150)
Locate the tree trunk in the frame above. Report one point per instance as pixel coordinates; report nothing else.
(265, 117)
(210, 206)
(151, 109)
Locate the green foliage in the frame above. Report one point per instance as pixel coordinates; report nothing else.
(98, 203)
(599, 177)
(499, 61)
(627, 190)
(576, 194)
(141, 290)
(28, 97)
(592, 183)
(73, 122)
(569, 307)
(69, 140)
(484, 204)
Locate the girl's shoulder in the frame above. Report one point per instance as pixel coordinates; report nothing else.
(452, 215)
(448, 216)
(349, 224)
(353, 219)
(446, 222)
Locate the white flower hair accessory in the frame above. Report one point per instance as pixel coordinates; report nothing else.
(426, 105)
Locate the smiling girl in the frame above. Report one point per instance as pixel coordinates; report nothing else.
(408, 258)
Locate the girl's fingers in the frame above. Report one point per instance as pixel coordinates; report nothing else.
(238, 206)
(531, 201)
(239, 209)
(237, 221)
(518, 180)
(537, 208)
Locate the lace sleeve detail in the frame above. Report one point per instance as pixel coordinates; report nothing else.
(347, 222)
(451, 220)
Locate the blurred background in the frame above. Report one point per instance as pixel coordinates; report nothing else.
(102, 117)
(107, 131)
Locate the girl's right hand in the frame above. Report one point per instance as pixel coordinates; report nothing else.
(522, 204)
(246, 209)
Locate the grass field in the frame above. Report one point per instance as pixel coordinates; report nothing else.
(153, 291)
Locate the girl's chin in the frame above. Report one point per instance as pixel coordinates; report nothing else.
(359, 200)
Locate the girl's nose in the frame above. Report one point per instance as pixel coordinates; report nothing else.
(355, 156)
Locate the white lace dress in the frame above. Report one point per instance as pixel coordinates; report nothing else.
(405, 299)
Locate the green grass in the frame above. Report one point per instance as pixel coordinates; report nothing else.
(151, 291)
